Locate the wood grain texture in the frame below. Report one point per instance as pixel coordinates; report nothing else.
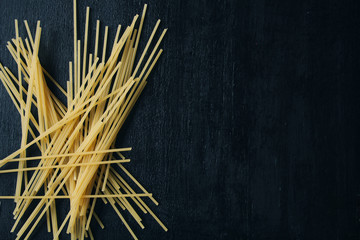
(248, 128)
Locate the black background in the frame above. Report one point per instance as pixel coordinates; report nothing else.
(248, 128)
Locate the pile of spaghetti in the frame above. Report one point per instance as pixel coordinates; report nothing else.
(78, 159)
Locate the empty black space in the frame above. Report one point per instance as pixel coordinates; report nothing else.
(248, 127)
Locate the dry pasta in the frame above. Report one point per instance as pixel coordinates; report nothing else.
(76, 139)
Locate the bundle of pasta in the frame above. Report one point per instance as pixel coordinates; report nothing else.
(78, 160)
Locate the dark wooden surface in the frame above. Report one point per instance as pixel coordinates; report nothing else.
(248, 128)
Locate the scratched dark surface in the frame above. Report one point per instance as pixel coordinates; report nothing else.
(248, 128)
